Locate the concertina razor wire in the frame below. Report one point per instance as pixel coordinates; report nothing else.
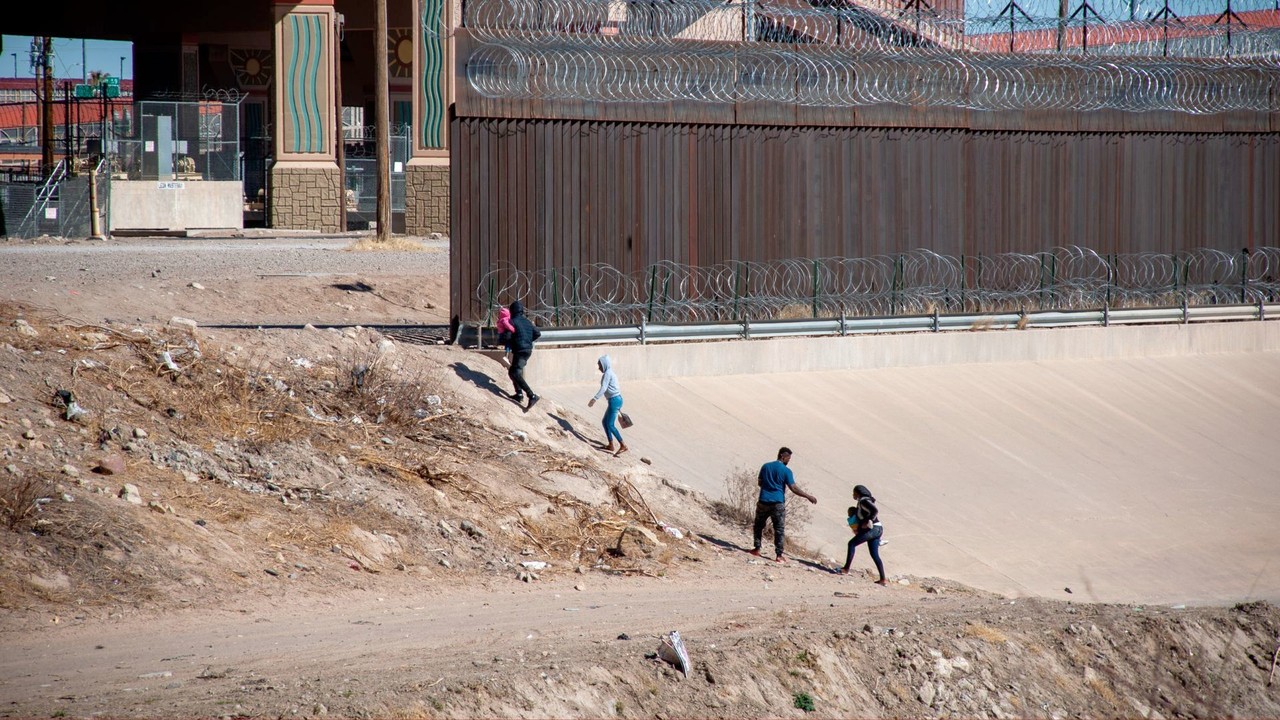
(911, 283)
(1190, 56)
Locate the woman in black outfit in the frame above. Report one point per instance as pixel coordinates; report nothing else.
(864, 521)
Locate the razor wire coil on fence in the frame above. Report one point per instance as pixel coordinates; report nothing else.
(911, 283)
(1114, 55)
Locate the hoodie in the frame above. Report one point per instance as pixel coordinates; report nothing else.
(504, 321)
(523, 336)
(608, 381)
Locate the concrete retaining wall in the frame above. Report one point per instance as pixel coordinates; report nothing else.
(568, 365)
(185, 205)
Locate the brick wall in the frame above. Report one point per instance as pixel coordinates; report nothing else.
(306, 198)
(426, 199)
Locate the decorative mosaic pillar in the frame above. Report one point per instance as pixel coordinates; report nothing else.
(426, 202)
(306, 185)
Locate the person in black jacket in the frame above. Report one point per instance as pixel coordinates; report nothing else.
(521, 342)
(864, 521)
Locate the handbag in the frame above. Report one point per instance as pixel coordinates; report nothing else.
(625, 420)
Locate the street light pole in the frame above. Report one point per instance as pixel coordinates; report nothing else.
(121, 76)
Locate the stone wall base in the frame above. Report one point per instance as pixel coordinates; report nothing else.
(306, 196)
(426, 199)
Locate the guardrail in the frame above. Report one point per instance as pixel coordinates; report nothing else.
(746, 329)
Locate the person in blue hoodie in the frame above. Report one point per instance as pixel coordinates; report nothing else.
(520, 340)
(609, 390)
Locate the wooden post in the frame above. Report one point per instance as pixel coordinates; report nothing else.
(382, 109)
(46, 120)
(339, 149)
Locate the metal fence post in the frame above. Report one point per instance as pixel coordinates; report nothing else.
(1041, 280)
(897, 285)
(555, 295)
(1110, 279)
(737, 292)
(815, 288)
(653, 279)
(1244, 275)
(575, 294)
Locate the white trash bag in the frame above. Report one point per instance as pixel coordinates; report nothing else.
(672, 650)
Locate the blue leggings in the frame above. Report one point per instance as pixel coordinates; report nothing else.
(872, 539)
(610, 418)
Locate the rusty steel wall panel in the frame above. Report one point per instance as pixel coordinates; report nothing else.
(541, 194)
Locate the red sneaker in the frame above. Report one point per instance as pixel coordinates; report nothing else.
(754, 551)
(780, 559)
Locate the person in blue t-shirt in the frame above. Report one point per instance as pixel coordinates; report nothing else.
(775, 478)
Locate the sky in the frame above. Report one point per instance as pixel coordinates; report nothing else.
(103, 55)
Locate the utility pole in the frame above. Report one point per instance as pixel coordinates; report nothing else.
(46, 120)
(66, 127)
(382, 109)
(340, 145)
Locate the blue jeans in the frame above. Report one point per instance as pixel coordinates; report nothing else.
(610, 419)
(872, 539)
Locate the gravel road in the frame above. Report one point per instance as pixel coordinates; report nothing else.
(251, 280)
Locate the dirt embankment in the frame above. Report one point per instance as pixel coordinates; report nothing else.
(223, 516)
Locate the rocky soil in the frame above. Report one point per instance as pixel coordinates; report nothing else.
(273, 523)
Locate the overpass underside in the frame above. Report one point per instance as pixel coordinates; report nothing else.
(629, 138)
(292, 67)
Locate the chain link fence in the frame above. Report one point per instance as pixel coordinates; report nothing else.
(58, 207)
(180, 140)
(360, 148)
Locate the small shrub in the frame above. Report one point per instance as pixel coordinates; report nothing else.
(794, 311)
(986, 633)
(18, 500)
(742, 490)
(382, 396)
(803, 700)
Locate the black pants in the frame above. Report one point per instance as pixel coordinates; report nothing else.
(516, 372)
(777, 513)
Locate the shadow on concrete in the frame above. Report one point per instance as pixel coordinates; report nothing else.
(479, 379)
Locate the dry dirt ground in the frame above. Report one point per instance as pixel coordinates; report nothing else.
(278, 523)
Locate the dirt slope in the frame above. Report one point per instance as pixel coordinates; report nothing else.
(283, 558)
